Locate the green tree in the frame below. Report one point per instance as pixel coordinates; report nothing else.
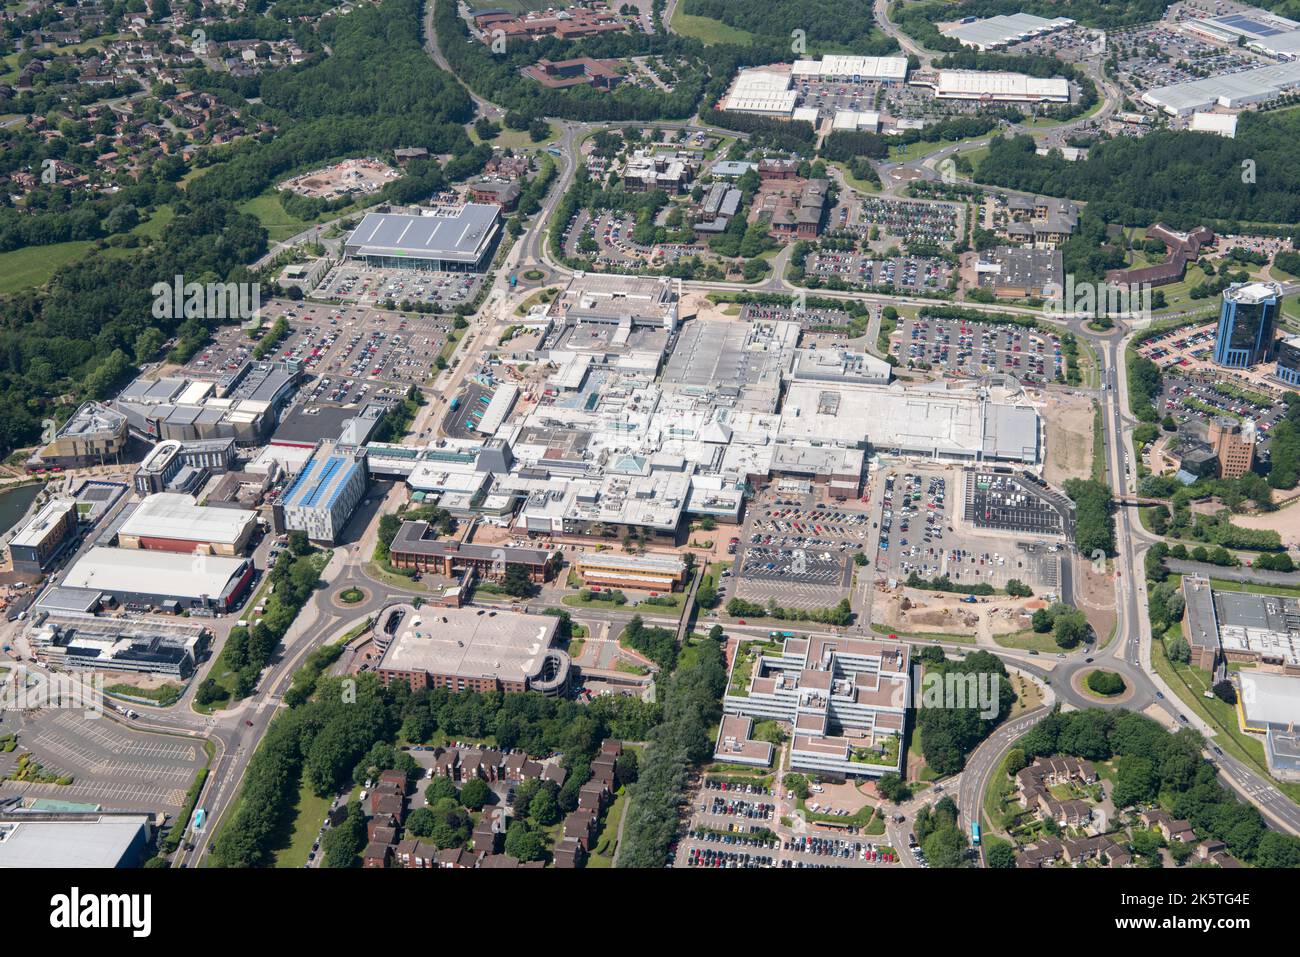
(998, 854)
(475, 793)
(524, 843)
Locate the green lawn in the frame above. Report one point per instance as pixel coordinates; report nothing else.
(1098, 445)
(1029, 641)
(602, 852)
(1285, 591)
(914, 151)
(708, 30)
(517, 140)
(309, 814)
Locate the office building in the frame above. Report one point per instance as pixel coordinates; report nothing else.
(118, 644)
(173, 466)
(416, 545)
(610, 569)
(43, 538)
(1288, 360)
(846, 698)
(1247, 323)
(1233, 441)
(95, 435)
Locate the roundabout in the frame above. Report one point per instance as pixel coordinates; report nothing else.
(350, 596)
(1102, 685)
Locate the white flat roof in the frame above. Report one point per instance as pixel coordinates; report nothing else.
(1269, 698)
(130, 570)
(1229, 89)
(81, 844)
(175, 515)
(34, 532)
(996, 31)
(838, 66)
(976, 84)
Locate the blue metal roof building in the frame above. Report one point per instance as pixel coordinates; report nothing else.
(325, 493)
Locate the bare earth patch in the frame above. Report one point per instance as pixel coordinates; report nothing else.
(1285, 521)
(1069, 437)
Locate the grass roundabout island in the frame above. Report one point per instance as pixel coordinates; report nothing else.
(1104, 684)
(351, 596)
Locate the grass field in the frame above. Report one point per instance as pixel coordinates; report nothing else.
(517, 139)
(279, 224)
(914, 151)
(707, 30)
(34, 265)
(309, 815)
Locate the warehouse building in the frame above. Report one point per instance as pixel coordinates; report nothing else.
(1241, 627)
(468, 649)
(173, 522)
(43, 539)
(959, 424)
(443, 239)
(1013, 272)
(651, 572)
(847, 68)
(1257, 29)
(992, 87)
(326, 492)
(997, 32)
(762, 91)
(164, 580)
(1269, 704)
(82, 840)
(1232, 91)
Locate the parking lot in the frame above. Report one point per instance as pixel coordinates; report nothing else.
(919, 533)
(736, 827)
(909, 221)
(797, 552)
(974, 348)
(1012, 503)
(903, 272)
(355, 354)
(110, 764)
(359, 285)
